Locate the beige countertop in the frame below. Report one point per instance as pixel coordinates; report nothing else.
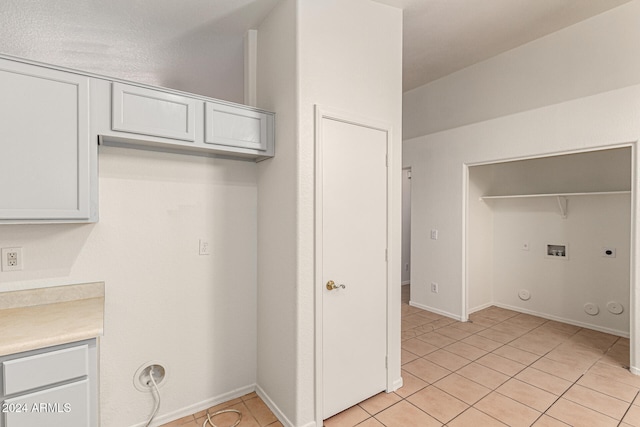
(44, 317)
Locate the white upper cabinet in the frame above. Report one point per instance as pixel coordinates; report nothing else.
(51, 120)
(152, 112)
(46, 156)
(166, 120)
(234, 127)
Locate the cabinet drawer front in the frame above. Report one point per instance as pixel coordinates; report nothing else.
(66, 405)
(27, 373)
(151, 112)
(235, 127)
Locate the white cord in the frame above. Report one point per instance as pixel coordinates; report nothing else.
(208, 420)
(157, 402)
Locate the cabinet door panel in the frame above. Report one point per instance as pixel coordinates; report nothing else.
(152, 112)
(235, 127)
(44, 143)
(66, 405)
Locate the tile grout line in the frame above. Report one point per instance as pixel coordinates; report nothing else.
(627, 411)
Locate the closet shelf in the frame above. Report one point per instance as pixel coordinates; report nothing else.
(561, 197)
(520, 196)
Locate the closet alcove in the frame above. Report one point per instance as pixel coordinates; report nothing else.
(551, 236)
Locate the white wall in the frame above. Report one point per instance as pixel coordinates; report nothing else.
(593, 56)
(335, 64)
(560, 288)
(277, 182)
(601, 170)
(194, 314)
(480, 236)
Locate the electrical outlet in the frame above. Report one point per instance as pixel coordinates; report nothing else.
(434, 287)
(12, 259)
(434, 234)
(204, 249)
(406, 267)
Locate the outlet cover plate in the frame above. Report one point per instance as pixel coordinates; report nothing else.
(12, 259)
(204, 247)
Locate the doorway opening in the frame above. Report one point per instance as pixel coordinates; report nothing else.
(520, 212)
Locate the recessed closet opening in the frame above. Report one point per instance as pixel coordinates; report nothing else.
(551, 236)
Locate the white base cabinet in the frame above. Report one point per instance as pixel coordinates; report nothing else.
(56, 386)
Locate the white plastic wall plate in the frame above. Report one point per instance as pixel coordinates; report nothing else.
(591, 309)
(142, 374)
(615, 307)
(12, 259)
(203, 247)
(524, 294)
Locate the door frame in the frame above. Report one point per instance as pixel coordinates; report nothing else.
(321, 113)
(406, 170)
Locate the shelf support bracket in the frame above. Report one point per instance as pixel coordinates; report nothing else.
(562, 203)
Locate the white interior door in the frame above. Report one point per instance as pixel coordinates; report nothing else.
(354, 244)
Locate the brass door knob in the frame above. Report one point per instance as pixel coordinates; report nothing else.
(331, 285)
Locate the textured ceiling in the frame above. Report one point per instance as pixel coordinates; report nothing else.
(196, 45)
(444, 36)
(190, 45)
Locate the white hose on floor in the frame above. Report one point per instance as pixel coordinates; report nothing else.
(208, 420)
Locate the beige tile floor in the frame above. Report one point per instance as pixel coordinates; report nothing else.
(502, 368)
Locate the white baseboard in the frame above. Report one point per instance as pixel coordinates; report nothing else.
(196, 407)
(565, 320)
(396, 385)
(276, 411)
(634, 371)
(436, 311)
(480, 307)
(200, 406)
